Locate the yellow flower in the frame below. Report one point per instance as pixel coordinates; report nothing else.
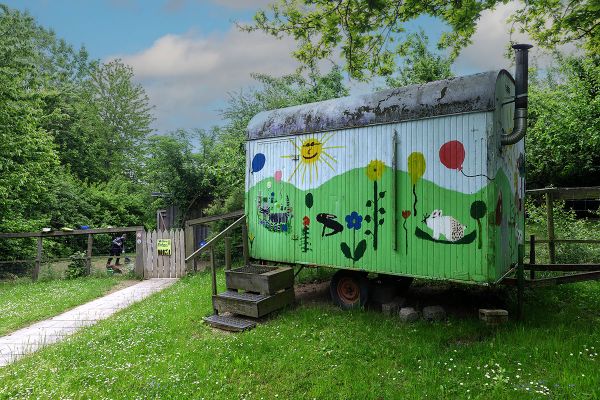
(375, 169)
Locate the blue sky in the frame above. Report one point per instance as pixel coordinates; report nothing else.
(189, 57)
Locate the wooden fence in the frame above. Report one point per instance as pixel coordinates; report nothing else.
(138, 230)
(551, 194)
(159, 263)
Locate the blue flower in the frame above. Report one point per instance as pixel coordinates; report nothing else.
(354, 220)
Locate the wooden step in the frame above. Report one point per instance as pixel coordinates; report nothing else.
(252, 304)
(229, 323)
(260, 278)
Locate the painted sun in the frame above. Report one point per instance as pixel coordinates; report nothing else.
(313, 152)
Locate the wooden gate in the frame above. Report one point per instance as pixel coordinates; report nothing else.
(164, 254)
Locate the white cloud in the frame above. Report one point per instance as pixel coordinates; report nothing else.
(189, 76)
(490, 40)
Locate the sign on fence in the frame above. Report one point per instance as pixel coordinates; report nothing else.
(164, 254)
(164, 247)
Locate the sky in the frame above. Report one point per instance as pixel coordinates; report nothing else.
(190, 57)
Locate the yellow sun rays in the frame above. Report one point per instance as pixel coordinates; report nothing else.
(311, 152)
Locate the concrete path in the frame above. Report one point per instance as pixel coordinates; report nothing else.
(30, 339)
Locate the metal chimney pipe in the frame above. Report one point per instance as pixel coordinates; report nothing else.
(521, 84)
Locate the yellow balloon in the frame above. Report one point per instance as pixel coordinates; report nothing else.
(416, 166)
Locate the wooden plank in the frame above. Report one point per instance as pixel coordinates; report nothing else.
(148, 255)
(588, 241)
(97, 231)
(17, 261)
(182, 253)
(88, 253)
(532, 257)
(574, 193)
(550, 224)
(560, 280)
(38, 260)
(227, 253)
(266, 283)
(563, 267)
(221, 234)
(173, 256)
(189, 246)
(160, 270)
(154, 255)
(213, 218)
(140, 237)
(252, 308)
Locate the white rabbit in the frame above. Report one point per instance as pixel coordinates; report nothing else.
(447, 226)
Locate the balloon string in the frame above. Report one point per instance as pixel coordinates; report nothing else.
(475, 176)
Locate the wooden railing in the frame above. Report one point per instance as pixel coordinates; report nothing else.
(139, 263)
(210, 246)
(190, 230)
(551, 194)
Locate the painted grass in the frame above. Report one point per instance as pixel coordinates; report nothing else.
(159, 348)
(23, 302)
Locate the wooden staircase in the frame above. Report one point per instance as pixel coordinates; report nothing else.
(252, 291)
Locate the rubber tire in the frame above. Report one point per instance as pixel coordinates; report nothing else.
(361, 282)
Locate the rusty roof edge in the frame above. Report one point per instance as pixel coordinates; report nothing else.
(450, 96)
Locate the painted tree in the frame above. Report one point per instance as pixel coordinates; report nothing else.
(478, 210)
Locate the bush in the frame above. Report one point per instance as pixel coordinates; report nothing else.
(77, 267)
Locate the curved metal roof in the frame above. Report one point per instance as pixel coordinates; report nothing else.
(450, 96)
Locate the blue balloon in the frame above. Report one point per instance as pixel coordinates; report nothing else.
(258, 162)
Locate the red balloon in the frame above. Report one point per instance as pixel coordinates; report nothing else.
(452, 154)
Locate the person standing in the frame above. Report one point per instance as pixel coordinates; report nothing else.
(116, 249)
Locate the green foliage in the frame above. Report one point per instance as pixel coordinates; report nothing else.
(551, 23)
(563, 139)
(420, 65)
(369, 34)
(77, 267)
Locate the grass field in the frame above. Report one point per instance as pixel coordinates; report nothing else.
(23, 302)
(160, 348)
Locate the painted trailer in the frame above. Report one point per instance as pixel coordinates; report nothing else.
(424, 181)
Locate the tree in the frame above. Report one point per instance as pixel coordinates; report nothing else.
(366, 32)
(563, 139)
(28, 161)
(123, 109)
(420, 64)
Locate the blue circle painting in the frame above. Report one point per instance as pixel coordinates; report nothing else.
(258, 162)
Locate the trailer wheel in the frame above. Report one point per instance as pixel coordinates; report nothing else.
(349, 289)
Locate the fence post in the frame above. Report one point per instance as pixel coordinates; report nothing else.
(213, 271)
(88, 254)
(227, 252)
(532, 256)
(140, 240)
(189, 248)
(550, 215)
(38, 260)
(245, 243)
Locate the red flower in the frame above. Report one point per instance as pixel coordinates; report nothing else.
(306, 221)
(405, 214)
